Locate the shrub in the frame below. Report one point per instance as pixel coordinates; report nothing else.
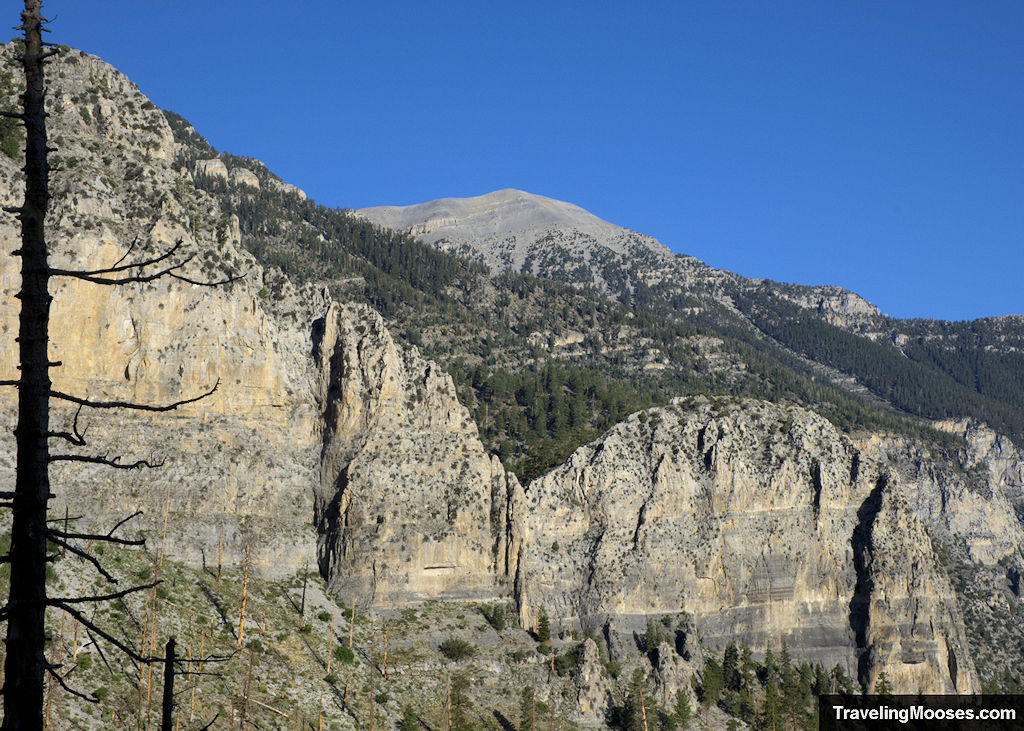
(344, 654)
(456, 648)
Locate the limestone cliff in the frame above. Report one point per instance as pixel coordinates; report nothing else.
(326, 441)
(763, 523)
(409, 505)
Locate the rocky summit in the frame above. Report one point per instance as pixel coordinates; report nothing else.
(336, 475)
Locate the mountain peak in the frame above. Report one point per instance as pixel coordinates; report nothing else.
(509, 228)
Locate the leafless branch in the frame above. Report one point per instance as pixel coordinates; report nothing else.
(10, 383)
(134, 278)
(136, 514)
(215, 283)
(96, 276)
(119, 267)
(99, 649)
(106, 635)
(115, 462)
(87, 556)
(74, 436)
(128, 404)
(56, 601)
(69, 689)
(130, 249)
(52, 533)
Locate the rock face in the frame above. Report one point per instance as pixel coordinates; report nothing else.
(512, 230)
(979, 507)
(761, 522)
(327, 441)
(156, 343)
(409, 505)
(214, 167)
(241, 176)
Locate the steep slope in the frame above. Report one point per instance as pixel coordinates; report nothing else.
(329, 441)
(929, 369)
(158, 342)
(763, 524)
(409, 505)
(511, 230)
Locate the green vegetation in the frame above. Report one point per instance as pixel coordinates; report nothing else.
(456, 648)
(537, 394)
(495, 616)
(11, 132)
(926, 378)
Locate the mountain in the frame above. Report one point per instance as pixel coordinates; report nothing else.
(927, 368)
(414, 462)
(511, 230)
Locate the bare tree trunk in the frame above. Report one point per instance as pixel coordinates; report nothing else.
(167, 718)
(26, 662)
(245, 586)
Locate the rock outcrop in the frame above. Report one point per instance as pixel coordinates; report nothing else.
(326, 441)
(760, 521)
(214, 167)
(409, 505)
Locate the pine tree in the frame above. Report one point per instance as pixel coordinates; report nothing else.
(682, 712)
(527, 709)
(882, 684)
(460, 703)
(543, 627)
(770, 717)
(638, 711)
(730, 668)
(711, 681)
(409, 720)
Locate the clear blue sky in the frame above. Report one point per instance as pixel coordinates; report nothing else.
(875, 145)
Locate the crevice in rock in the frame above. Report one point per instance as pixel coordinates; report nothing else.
(317, 330)
(330, 524)
(860, 605)
(641, 518)
(816, 485)
(951, 655)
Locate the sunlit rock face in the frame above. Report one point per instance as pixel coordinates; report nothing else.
(764, 524)
(409, 505)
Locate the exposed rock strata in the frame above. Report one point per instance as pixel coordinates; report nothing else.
(759, 521)
(409, 505)
(762, 522)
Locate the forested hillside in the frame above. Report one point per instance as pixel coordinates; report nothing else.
(544, 366)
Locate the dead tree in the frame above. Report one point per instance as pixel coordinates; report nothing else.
(25, 663)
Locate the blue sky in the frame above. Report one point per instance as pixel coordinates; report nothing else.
(874, 145)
